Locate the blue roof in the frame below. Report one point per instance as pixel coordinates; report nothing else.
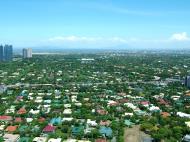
(23, 93)
(107, 131)
(128, 122)
(56, 120)
(77, 130)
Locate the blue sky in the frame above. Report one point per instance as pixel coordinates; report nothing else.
(95, 23)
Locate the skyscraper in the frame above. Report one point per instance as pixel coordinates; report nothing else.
(8, 52)
(24, 53)
(27, 53)
(187, 81)
(1, 53)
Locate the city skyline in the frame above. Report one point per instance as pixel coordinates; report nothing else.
(96, 24)
(6, 52)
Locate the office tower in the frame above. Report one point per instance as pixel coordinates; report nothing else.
(187, 81)
(27, 53)
(24, 53)
(8, 52)
(1, 53)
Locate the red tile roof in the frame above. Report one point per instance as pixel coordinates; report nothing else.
(41, 119)
(114, 104)
(18, 119)
(11, 128)
(165, 114)
(101, 111)
(162, 102)
(103, 123)
(5, 118)
(21, 111)
(144, 103)
(49, 128)
(123, 100)
(100, 140)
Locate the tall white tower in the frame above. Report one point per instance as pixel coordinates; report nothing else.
(27, 53)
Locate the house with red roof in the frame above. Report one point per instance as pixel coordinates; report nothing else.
(123, 101)
(5, 118)
(100, 140)
(11, 129)
(145, 103)
(21, 111)
(105, 123)
(165, 114)
(49, 129)
(102, 112)
(41, 119)
(163, 102)
(18, 119)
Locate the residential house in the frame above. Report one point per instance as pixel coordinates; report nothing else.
(54, 140)
(5, 118)
(188, 124)
(67, 111)
(49, 129)
(77, 130)
(40, 139)
(67, 119)
(11, 129)
(56, 121)
(22, 111)
(29, 120)
(100, 140)
(11, 138)
(106, 131)
(184, 115)
(18, 120)
(24, 139)
(2, 127)
(128, 123)
(91, 123)
(186, 138)
(105, 123)
(34, 111)
(165, 114)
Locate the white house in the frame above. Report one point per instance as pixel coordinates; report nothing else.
(11, 138)
(54, 140)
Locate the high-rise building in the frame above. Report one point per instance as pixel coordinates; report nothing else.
(1, 53)
(187, 81)
(8, 52)
(24, 53)
(27, 53)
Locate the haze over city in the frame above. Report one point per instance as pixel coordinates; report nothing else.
(97, 24)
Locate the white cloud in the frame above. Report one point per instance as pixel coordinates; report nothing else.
(180, 37)
(87, 39)
(174, 41)
(71, 38)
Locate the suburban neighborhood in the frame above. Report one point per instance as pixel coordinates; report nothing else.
(94, 98)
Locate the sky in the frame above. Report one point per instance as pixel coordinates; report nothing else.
(150, 24)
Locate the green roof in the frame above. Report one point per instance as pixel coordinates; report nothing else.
(128, 122)
(24, 139)
(23, 128)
